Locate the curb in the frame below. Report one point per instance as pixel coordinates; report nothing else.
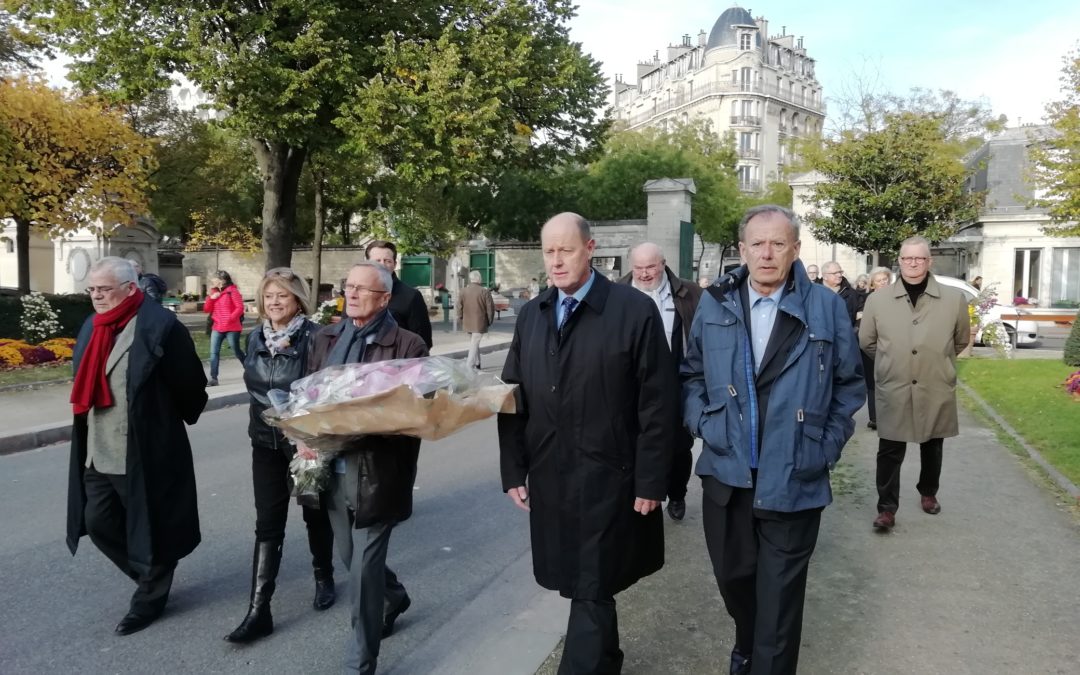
(1062, 481)
(50, 434)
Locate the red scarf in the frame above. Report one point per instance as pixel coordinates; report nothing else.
(91, 389)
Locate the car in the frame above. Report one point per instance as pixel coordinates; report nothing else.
(1019, 332)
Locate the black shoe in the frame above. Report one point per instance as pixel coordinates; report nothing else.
(325, 594)
(212, 382)
(676, 508)
(388, 621)
(264, 570)
(133, 623)
(871, 424)
(740, 663)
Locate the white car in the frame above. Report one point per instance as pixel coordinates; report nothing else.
(1020, 332)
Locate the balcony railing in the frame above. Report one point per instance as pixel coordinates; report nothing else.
(745, 121)
(749, 185)
(713, 88)
(749, 153)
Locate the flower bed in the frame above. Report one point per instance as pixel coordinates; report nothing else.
(1072, 385)
(15, 353)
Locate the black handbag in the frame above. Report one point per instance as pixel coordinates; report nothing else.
(209, 324)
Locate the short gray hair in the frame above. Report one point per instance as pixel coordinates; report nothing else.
(475, 277)
(659, 251)
(755, 211)
(877, 271)
(120, 269)
(384, 274)
(916, 240)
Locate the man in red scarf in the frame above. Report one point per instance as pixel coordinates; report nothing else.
(131, 481)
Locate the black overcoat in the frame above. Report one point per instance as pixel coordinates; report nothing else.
(166, 387)
(596, 412)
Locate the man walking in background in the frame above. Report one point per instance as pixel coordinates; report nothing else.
(834, 280)
(406, 303)
(476, 312)
(676, 299)
(914, 328)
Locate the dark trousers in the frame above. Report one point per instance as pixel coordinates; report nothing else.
(868, 375)
(592, 639)
(682, 464)
(270, 478)
(890, 456)
(760, 560)
(106, 523)
(374, 589)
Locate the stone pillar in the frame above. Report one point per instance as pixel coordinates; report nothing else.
(669, 203)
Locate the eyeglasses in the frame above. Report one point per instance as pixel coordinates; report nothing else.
(280, 272)
(836, 272)
(354, 288)
(913, 260)
(91, 290)
(648, 268)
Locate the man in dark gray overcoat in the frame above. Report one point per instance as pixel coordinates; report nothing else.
(588, 453)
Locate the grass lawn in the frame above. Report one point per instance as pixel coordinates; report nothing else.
(48, 372)
(1028, 393)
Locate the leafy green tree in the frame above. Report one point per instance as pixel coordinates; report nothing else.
(1072, 345)
(612, 188)
(880, 187)
(433, 91)
(1056, 160)
(516, 204)
(16, 45)
(74, 163)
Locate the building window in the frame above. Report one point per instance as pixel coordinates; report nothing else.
(1065, 275)
(9, 244)
(746, 79)
(1026, 273)
(744, 41)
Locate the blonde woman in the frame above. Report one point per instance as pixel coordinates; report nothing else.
(277, 354)
(880, 277)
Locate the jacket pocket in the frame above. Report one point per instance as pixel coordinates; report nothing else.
(712, 427)
(810, 461)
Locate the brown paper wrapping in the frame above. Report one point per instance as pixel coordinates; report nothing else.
(397, 411)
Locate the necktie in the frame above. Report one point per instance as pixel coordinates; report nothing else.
(568, 305)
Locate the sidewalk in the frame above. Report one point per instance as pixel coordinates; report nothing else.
(42, 416)
(987, 586)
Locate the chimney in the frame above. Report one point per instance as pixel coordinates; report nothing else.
(701, 39)
(800, 42)
(763, 31)
(686, 40)
(783, 31)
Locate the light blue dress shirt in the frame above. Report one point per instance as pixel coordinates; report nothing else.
(579, 296)
(762, 317)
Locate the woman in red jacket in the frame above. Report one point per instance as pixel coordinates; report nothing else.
(226, 308)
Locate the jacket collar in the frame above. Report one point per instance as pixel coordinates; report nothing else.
(595, 298)
(385, 337)
(933, 288)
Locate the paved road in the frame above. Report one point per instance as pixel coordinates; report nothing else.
(463, 556)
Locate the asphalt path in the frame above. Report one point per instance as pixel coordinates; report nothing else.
(463, 557)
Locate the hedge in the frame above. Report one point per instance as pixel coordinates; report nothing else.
(72, 309)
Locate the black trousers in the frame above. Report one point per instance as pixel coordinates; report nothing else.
(592, 639)
(890, 457)
(270, 478)
(760, 560)
(106, 523)
(682, 464)
(868, 375)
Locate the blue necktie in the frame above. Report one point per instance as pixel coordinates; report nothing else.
(568, 305)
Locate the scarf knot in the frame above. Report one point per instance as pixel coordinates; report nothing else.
(91, 388)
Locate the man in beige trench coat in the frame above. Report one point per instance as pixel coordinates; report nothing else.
(913, 330)
(476, 312)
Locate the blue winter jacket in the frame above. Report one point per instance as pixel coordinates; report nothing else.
(810, 407)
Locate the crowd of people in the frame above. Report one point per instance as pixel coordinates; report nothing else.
(767, 365)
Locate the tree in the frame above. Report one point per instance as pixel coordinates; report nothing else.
(880, 187)
(16, 45)
(74, 163)
(1055, 162)
(1072, 345)
(515, 205)
(612, 189)
(432, 90)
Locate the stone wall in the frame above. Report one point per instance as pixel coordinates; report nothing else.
(247, 268)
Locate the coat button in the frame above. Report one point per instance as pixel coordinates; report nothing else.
(553, 388)
(914, 322)
(913, 382)
(914, 351)
(553, 352)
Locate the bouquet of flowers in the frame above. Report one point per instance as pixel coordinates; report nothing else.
(430, 398)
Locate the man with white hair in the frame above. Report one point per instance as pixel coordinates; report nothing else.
(131, 480)
(676, 299)
(476, 312)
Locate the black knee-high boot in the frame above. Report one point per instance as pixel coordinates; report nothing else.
(264, 570)
(321, 543)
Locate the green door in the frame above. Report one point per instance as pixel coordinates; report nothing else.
(686, 250)
(416, 270)
(484, 263)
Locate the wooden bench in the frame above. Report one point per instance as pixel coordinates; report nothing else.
(1062, 317)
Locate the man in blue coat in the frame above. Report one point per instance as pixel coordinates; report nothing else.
(771, 379)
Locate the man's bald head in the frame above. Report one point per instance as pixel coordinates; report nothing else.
(568, 219)
(568, 247)
(647, 265)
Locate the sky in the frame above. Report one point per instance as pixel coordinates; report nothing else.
(1009, 53)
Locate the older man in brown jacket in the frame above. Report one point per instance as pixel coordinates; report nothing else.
(677, 300)
(913, 330)
(476, 312)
